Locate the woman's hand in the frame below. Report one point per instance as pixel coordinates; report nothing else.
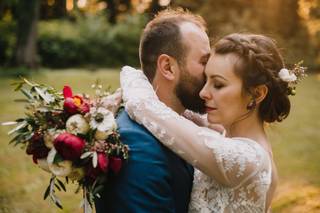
(217, 127)
(113, 102)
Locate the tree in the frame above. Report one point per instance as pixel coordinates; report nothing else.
(53, 11)
(115, 8)
(27, 19)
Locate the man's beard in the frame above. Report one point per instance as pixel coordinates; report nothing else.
(187, 90)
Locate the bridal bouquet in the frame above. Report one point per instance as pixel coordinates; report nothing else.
(73, 137)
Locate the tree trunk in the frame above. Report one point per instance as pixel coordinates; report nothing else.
(112, 11)
(26, 51)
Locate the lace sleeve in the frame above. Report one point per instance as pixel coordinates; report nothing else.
(229, 161)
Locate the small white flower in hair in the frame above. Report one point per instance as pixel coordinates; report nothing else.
(286, 76)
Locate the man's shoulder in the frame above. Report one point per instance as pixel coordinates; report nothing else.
(124, 121)
(134, 134)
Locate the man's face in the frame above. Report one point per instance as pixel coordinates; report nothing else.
(192, 78)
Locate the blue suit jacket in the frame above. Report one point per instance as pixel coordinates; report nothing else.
(153, 180)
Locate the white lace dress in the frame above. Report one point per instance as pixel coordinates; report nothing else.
(231, 174)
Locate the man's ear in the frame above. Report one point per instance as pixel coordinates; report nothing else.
(260, 92)
(165, 65)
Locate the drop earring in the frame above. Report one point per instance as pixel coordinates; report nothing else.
(251, 105)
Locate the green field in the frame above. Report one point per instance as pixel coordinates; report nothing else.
(296, 145)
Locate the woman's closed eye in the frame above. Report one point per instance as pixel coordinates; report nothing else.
(218, 85)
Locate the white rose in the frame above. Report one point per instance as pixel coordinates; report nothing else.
(50, 135)
(285, 75)
(43, 164)
(62, 168)
(77, 124)
(102, 135)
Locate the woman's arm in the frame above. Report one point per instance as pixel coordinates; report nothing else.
(229, 161)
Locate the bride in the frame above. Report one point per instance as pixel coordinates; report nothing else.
(246, 87)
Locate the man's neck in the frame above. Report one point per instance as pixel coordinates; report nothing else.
(167, 95)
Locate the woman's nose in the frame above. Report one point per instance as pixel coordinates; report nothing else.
(204, 93)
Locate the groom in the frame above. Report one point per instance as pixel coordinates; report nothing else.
(174, 49)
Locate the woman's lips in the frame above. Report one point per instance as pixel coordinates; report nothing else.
(210, 109)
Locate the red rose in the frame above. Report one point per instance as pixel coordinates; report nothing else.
(74, 104)
(103, 161)
(69, 146)
(115, 164)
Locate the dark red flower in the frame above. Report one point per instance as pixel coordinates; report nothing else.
(74, 104)
(103, 161)
(115, 164)
(37, 148)
(92, 173)
(69, 146)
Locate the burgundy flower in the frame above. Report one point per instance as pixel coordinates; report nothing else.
(69, 146)
(103, 161)
(115, 164)
(92, 173)
(74, 104)
(37, 148)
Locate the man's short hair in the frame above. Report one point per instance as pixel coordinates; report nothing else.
(162, 36)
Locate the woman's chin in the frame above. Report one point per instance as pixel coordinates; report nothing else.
(214, 119)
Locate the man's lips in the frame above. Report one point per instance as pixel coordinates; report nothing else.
(209, 109)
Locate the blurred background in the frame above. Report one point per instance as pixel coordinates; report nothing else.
(75, 42)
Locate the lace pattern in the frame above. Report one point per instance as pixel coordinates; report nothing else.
(233, 174)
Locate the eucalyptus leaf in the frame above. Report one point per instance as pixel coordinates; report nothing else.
(28, 82)
(48, 98)
(57, 186)
(86, 154)
(19, 85)
(95, 159)
(27, 93)
(21, 101)
(9, 123)
(97, 189)
(46, 193)
(21, 125)
(61, 185)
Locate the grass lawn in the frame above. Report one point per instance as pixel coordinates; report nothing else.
(296, 145)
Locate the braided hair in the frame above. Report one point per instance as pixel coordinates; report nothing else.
(259, 64)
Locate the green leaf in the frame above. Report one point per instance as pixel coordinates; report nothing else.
(57, 186)
(21, 100)
(47, 192)
(57, 159)
(58, 204)
(61, 185)
(26, 93)
(19, 85)
(97, 189)
(28, 82)
(14, 139)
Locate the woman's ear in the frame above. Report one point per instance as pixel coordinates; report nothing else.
(165, 65)
(260, 92)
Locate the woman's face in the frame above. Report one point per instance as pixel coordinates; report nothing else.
(224, 98)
